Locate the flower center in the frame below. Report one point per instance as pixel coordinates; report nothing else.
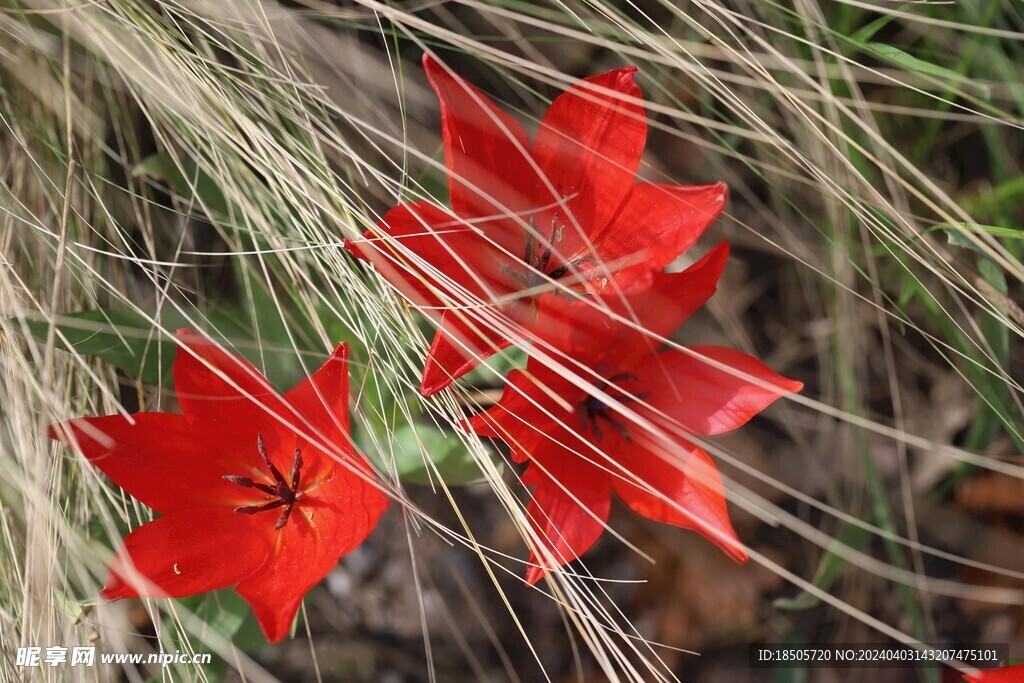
(536, 261)
(592, 409)
(285, 494)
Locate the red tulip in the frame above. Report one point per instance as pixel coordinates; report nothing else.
(1008, 674)
(563, 213)
(575, 430)
(257, 490)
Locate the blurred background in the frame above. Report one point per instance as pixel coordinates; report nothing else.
(194, 163)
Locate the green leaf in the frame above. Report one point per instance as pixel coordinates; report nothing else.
(128, 341)
(496, 367)
(829, 570)
(433, 182)
(993, 275)
(187, 179)
(73, 609)
(996, 333)
(905, 60)
(227, 612)
(866, 33)
(266, 329)
(124, 339)
(454, 462)
(222, 610)
(957, 237)
(1006, 196)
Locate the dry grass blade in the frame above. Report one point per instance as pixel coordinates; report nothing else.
(164, 162)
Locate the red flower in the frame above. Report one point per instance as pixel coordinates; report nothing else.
(256, 489)
(1008, 674)
(566, 208)
(581, 446)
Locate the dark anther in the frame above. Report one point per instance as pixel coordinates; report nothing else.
(542, 263)
(248, 483)
(296, 468)
(562, 270)
(591, 409)
(537, 259)
(253, 509)
(263, 454)
(285, 493)
(533, 261)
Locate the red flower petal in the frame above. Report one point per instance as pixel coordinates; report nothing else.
(441, 259)
(320, 530)
(352, 487)
(231, 403)
(322, 404)
(525, 411)
(188, 552)
(705, 399)
(653, 226)
(487, 153)
(588, 147)
(275, 590)
(1007, 674)
(323, 398)
(690, 480)
(462, 342)
(589, 332)
(569, 508)
(158, 459)
(671, 300)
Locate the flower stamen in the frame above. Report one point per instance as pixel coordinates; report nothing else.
(286, 494)
(536, 265)
(572, 265)
(592, 408)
